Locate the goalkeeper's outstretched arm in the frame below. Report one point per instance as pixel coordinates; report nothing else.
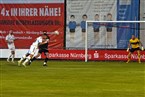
(142, 48)
(128, 47)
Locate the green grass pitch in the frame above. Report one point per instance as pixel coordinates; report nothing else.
(72, 79)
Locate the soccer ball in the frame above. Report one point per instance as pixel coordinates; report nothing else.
(56, 32)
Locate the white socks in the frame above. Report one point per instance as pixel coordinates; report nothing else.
(11, 56)
(23, 58)
(27, 59)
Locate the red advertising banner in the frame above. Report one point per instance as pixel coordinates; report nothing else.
(29, 20)
(96, 55)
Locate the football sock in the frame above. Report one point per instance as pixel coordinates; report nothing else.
(23, 58)
(139, 58)
(9, 56)
(13, 56)
(129, 58)
(46, 59)
(27, 59)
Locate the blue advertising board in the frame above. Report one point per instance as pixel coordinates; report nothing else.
(127, 10)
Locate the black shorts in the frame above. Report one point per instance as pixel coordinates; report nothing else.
(43, 51)
(96, 29)
(109, 29)
(72, 30)
(134, 49)
(84, 30)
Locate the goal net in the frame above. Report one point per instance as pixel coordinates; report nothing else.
(112, 34)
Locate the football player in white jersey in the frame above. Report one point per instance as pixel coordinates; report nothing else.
(43, 48)
(33, 49)
(10, 38)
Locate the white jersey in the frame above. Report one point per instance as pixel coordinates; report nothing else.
(34, 47)
(37, 41)
(10, 41)
(10, 38)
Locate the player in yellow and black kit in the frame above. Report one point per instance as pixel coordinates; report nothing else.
(134, 45)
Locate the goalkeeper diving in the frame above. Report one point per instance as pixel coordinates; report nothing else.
(134, 45)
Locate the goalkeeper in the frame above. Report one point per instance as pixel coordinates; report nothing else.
(134, 45)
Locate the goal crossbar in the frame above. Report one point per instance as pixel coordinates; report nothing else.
(116, 21)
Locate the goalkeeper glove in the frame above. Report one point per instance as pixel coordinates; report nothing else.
(142, 48)
(127, 50)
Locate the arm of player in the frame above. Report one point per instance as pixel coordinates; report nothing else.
(41, 43)
(142, 48)
(128, 47)
(52, 41)
(53, 33)
(15, 39)
(9, 41)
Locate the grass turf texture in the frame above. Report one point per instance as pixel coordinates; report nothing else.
(73, 79)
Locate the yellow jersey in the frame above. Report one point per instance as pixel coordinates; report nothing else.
(134, 43)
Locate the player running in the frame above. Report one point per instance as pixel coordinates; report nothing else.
(33, 49)
(134, 45)
(43, 48)
(10, 38)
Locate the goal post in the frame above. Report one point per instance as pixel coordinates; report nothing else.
(134, 27)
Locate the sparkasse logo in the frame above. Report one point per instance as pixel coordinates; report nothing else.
(96, 54)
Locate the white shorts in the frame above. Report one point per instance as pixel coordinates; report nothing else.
(33, 49)
(11, 47)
